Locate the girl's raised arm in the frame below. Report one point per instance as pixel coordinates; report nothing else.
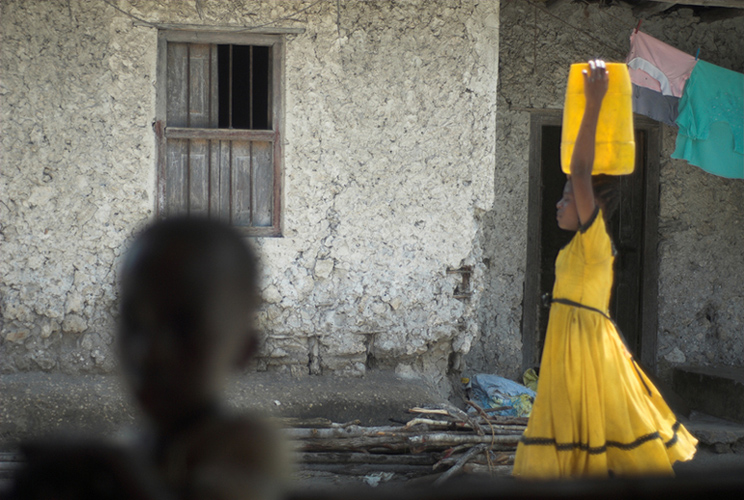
(582, 160)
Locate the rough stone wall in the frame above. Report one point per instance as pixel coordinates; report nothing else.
(389, 147)
(77, 176)
(701, 231)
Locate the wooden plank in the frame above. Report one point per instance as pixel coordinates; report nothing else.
(650, 261)
(720, 14)
(368, 444)
(241, 184)
(531, 300)
(176, 90)
(276, 68)
(733, 4)
(161, 166)
(176, 177)
(491, 470)
(236, 35)
(352, 431)
(199, 85)
(495, 457)
(366, 458)
(260, 231)
(272, 86)
(304, 423)
(214, 179)
(445, 439)
(276, 63)
(262, 183)
(214, 90)
(224, 193)
(199, 179)
(161, 111)
(219, 174)
(218, 134)
(276, 220)
(365, 469)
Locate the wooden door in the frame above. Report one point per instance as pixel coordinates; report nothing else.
(632, 228)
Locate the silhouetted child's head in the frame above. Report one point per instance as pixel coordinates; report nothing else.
(188, 293)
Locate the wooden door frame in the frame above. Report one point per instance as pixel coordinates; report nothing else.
(649, 258)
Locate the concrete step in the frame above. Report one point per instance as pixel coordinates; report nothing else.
(716, 391)
(717, 434)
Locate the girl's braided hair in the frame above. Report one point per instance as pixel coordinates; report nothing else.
(606, 193)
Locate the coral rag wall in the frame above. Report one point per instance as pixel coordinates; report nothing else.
(77, 176)
(389, 149)
(701, 217)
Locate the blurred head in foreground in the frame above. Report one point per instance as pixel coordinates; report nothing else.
(188, 294)
(189, 290)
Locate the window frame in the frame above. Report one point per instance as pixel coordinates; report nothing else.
(163, 132)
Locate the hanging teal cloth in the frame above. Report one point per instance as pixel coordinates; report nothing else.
(711, 121)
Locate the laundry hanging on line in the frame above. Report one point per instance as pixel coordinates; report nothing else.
(658, 66)
(704, 101)
(655, 105)
(658, 73)
(711, 121)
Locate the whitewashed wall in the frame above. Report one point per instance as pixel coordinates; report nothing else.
(389, 153)
(77, 176)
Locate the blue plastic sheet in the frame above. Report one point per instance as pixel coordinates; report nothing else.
(492, 391)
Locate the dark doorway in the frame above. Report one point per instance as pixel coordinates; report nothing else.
(632, 228)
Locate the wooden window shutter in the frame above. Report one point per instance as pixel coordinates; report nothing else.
(226, 173)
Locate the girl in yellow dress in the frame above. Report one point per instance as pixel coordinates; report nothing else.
(596, 413)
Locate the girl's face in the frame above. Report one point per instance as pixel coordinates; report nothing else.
(567, 214)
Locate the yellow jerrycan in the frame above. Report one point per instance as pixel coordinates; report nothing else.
(615, 143)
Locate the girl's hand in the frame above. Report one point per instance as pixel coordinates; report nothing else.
(595, 82)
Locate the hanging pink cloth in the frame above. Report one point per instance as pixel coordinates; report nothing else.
(655, 65)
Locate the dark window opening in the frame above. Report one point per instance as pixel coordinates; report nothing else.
(244, 86)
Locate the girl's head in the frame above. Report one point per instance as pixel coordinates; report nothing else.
(605, 195)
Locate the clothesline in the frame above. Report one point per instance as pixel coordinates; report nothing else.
(704, 101)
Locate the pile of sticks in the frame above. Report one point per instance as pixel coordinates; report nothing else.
(436, 444)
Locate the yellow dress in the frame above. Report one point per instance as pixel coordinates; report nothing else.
(596, 413)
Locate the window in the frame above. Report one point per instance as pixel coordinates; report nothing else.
(219, 111)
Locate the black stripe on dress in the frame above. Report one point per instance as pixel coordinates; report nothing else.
(673, 440)
(597, 450)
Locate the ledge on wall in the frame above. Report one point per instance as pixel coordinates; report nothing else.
(716, 391)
